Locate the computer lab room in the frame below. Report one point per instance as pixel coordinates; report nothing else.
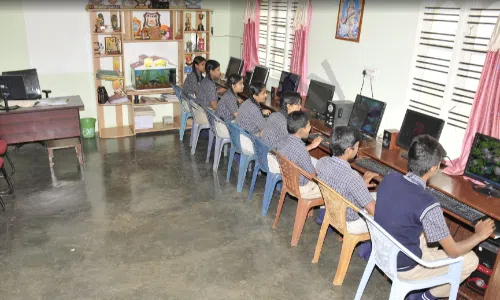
(250, 149)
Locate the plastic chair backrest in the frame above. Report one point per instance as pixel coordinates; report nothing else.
(336, 206)
(234, 134)
(290, 174)
(198, 113)
(31, 83)
(385, 249)
(182, 100)
(210, 116)
(261, 149)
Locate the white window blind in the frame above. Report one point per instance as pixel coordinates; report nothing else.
(276, 34)
(451, 50)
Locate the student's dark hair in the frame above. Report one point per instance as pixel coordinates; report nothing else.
(211, 65)
(343, 138)
(295, 121)
(255, 89)
(292, 98)
(196, 61)
(233, 79)
(425, 152)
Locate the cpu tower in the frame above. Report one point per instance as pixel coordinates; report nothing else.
(338, 113)
(389, 139)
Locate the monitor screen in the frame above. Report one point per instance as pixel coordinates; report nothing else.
(289, 82)
(366, 115)
(260, 74)
(484, 160)
(234, 66)
(318, 95)
(246, 82)
(415, 124)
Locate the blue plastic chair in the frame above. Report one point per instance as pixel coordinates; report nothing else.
(219, 131)
(200, 122)
(245, 158)
(185, 110)
(261, 150)
(385, 250)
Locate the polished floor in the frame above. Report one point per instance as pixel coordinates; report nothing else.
(147, 220)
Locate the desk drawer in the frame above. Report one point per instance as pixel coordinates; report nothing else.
(40, 125)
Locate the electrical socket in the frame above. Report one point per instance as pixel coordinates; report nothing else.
(371, 73)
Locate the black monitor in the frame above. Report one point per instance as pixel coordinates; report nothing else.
(289, 82)
(260, 74)
(235, 66)
(12, 88)
(246, 82)
(366, 115)
(484, 164)
(415, 124)
(318, 95)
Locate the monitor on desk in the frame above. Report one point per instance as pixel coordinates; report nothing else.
(366, 115)
(484, 164)
(415, 124)
(246, 82)
(235, 66)
(318, 95)
(289, 82)
(260, 74)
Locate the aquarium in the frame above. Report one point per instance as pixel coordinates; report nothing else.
(154, 77)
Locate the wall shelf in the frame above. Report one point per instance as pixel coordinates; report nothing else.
(116, 132)
(151, 41)
(107, 33)
(159, 126)
(203, 52)
(132, 92)
(107, 55)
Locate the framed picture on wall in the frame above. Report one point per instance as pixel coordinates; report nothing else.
(349, 20)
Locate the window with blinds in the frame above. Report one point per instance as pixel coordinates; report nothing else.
(276, 34)
(451, 52)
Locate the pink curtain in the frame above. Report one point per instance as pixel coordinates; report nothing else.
(251, 35)
(485, 114)
(299, 63)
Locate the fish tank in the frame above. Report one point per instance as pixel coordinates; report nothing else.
(159, 77)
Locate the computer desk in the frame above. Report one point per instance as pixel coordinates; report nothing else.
(42, 122)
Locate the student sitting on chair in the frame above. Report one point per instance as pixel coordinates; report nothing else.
(227, 107)
(294, 149)
(338, 174)
(193, 79)
(250, 115)
(207, 92)
(404, 209)
(275, 128)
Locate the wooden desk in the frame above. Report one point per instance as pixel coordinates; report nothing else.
(458, 188)
(41, 123)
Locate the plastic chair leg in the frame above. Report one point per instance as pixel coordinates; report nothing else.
(12, 167)
(271, 181)
(280, 206)
(226, 147)
(350, 241)
(321, 240)
(193, 130)
(210, 143)
(195, 133)
(230, 165)
(218, 150)
(244, 161)
(254, 179)
(183, 125)
(300, 220)
(364, 280)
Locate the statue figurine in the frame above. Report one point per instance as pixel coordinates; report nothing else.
(201, 44)
(200, 26)
(189, 46)
(188, 23)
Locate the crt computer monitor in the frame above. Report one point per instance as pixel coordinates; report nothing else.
(289, 82)
(260, 74)
(415, 124)
(366, 115)
(318, 95)
(246, 82)
(484, 161)
(235, 66)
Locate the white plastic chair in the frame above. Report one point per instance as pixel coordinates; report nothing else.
(384, 255)
(218, 130)
(200, 122)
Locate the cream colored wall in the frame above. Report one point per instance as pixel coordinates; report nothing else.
(387, 43)
(59, 46)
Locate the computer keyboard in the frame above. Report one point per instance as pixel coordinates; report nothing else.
(456, 207)
(312, 136)
(373, 166)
